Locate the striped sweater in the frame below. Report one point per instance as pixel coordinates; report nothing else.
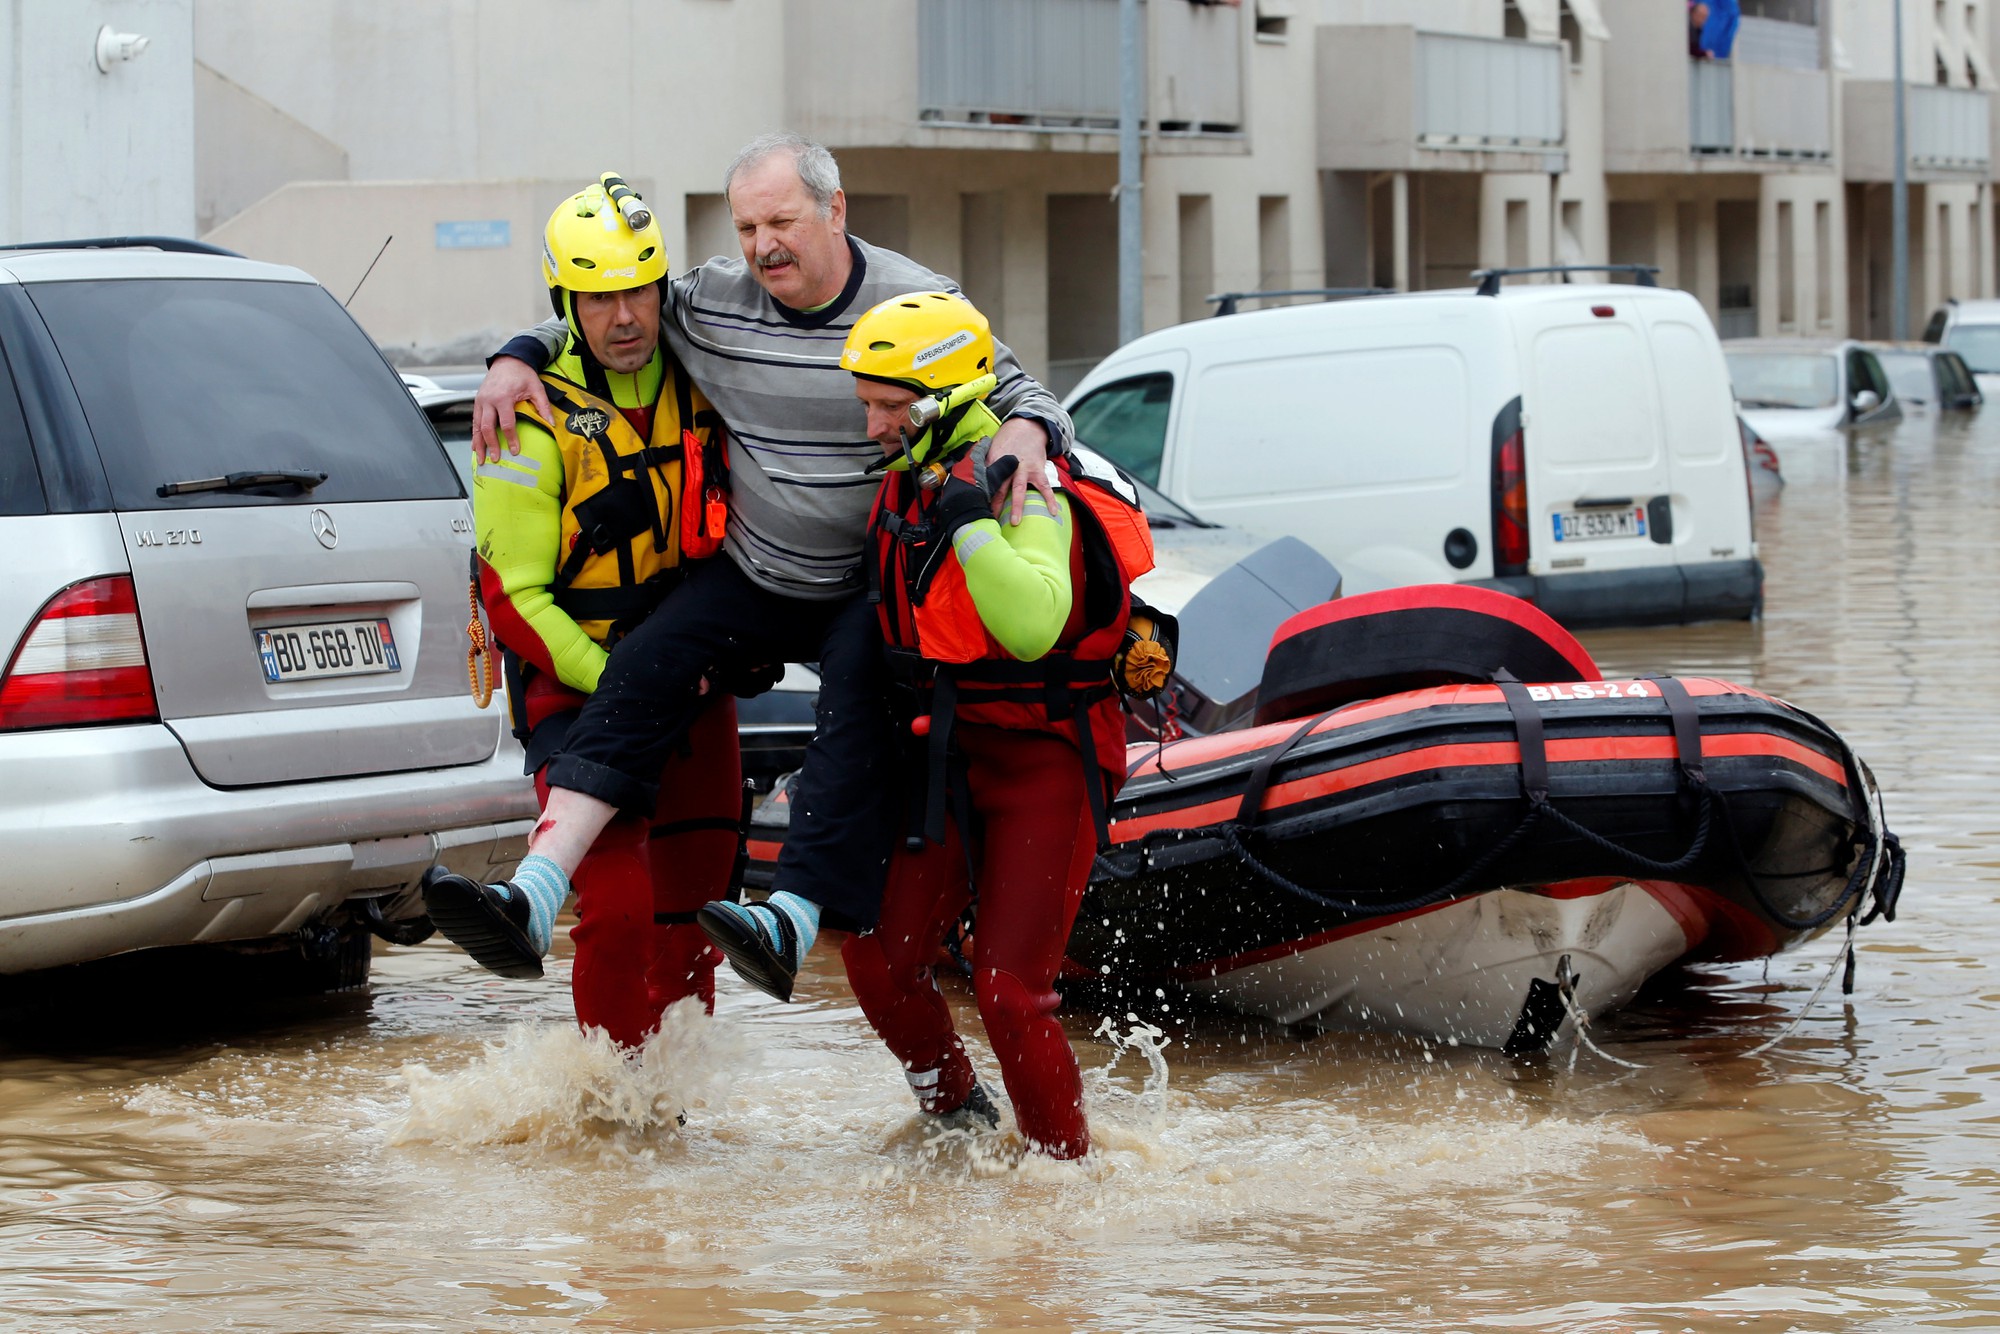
(798, 440)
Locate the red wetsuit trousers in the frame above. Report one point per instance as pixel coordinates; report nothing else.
(638, 949)
(1035, 845)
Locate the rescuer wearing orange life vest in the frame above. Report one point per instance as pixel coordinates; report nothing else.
(1003, 641)
(579, 537)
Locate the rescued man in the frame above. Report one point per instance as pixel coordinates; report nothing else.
(763, 336)
(1003, 642)
(579, 537)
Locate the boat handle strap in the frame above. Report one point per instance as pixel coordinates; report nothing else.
(1528, 735)
(1260, 774)
(1687, 728)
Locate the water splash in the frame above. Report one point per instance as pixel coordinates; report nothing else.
(554, 1084)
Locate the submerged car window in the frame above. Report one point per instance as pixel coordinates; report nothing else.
(1127, 423)
(186, 379)
(1784, 379)
(1864, 372)
(1979, 344)
(1956, 379)
(1910, 373)
(20, 479)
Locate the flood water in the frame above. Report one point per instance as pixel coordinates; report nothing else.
(446, 1153)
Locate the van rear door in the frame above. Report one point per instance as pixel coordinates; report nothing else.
(294, 631)
(1599, 480)
(1711, 491)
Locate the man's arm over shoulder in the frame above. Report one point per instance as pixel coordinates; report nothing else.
(1020, 394)
(537, 346)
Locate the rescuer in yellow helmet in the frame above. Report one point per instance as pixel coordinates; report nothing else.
(1001, 641)
(580, 536)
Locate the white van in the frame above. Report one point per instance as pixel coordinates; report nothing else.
(1574, 445)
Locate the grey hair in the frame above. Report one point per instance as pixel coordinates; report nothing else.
(817, 170)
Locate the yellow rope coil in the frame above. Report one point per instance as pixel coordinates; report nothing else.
(479, 657)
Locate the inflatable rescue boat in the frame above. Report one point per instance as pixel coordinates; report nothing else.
(1440, 818)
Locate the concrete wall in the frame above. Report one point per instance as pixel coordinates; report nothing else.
(434, 298)
(89, 153)
(244, 148)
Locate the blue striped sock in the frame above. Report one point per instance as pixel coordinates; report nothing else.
(803, 914)
(545, 887)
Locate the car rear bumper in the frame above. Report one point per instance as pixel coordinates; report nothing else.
(1723, 590)
(113, 843)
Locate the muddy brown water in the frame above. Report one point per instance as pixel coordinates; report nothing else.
(447, 1154)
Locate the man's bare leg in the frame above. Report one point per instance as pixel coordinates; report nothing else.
(570, 823)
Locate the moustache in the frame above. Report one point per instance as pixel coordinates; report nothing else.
(779, 256)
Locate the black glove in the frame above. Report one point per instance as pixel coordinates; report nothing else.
(958, 503)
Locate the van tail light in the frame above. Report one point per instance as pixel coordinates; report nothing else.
(1510, 492)
(83, 661)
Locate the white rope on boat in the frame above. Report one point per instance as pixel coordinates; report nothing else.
(1582, 1022)
(1840, 957)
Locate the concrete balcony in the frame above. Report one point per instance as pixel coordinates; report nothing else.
(1393, 98)
(1022, 74)
(1770, 109)
(1759, 112)
(1947, 131)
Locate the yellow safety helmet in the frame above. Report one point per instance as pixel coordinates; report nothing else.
(926, 341)
(601, 239)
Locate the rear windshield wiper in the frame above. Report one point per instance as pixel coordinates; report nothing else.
(244, 481)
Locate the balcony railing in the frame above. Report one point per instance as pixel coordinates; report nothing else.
(1948, 128)
(1711, 107)
(1480, 92)
(1018, 61)
(1759, 111)
(1053, 64)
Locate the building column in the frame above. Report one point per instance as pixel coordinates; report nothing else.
(1025, 278)
(1399, 227)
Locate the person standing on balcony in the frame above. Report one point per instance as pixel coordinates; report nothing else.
(579, 537)
(763, 336)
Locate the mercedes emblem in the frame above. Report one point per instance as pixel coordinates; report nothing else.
(323, 529)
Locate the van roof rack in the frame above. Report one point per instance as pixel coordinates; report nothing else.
(1489, 279)
(1225, 302)
(178, 244)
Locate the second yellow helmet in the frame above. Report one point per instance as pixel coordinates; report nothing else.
(925, 340)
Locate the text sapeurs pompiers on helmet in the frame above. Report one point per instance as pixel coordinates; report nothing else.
(601, 239)
(937, 345)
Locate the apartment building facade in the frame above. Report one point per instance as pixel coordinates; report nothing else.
(1290, 144)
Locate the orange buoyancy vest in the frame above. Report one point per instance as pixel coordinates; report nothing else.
(937, 640)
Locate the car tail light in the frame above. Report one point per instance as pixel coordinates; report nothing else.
(1510, 496)
(83, 661)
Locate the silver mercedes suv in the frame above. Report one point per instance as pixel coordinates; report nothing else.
(234, 709)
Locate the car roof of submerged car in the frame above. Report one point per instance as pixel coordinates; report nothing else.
(79, 265)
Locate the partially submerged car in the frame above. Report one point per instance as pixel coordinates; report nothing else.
(1800, 386)
(1971, 329)
(1927, 377)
